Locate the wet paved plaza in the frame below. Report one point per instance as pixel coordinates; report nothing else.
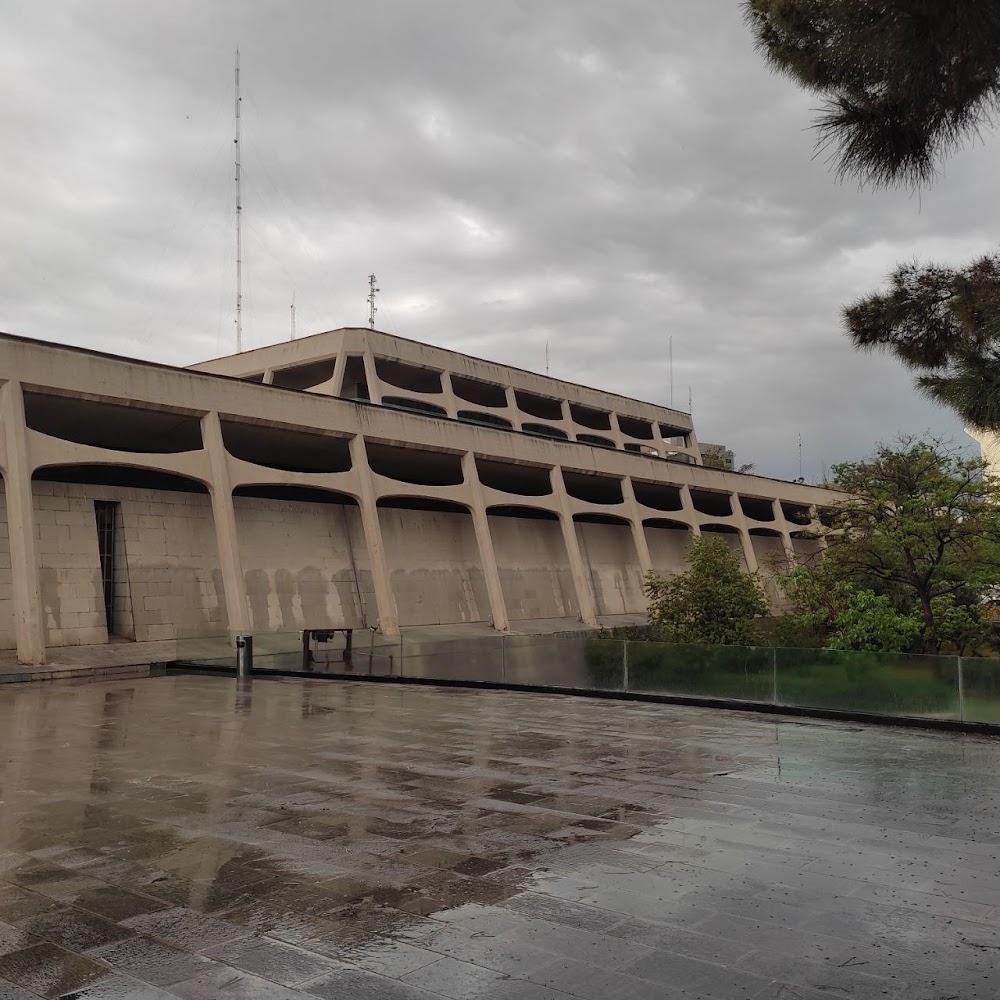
(181, 837)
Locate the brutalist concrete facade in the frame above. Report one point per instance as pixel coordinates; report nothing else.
(347, 479)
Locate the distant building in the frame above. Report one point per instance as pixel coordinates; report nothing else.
(718, 456)
(351, 479)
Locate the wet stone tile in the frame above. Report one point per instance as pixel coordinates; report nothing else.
(18, 904)
(50, 971)
(116, 987)
(75, 930)
(230, 984)
(184, 928)
(151, 961)
(281, 963)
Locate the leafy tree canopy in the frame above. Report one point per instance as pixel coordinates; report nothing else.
(713, 602)
(905, 81)
(921, 528)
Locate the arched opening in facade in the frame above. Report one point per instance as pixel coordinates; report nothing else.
(303, 377)
(418, 466)
(115, 426)
(478, 392)
(285, 448)
(534, 567)
(125, 552)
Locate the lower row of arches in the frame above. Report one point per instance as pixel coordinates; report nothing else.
(155, 572)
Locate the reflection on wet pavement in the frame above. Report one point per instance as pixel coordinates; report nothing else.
(184, 837)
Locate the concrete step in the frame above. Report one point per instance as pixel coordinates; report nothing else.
(75, 672)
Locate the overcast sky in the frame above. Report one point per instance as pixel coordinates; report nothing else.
(599, 175)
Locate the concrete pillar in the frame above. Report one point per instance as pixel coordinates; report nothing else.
(484, 540)
(748, 553)
(638, 532)
(581, 578)
(29, 628)
(268, 377)
(448, 399)
(225, 524)
(371, 375)
(334, 386)
(616, 432)
(692, 515)
(388, 617)
(513, 412)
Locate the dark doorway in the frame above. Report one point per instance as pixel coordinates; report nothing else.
(107, 515)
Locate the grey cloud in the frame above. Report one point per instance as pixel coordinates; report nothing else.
(597, 176)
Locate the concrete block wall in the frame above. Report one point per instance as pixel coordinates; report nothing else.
(668, 549)
(616, 576)
(69, 565)
(169, 584)
(434, 567)
(534, 568)
(305, 565)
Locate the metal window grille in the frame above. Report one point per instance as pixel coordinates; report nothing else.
(106, 512)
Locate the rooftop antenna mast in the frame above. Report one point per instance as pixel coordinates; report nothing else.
(671, 372)
(372, 308)
(800, 459)
(546, 357)
(239, 219)
(292, 320)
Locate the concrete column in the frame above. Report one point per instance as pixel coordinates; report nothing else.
(388, 617)
(581, 578)
(268, 377)
(29, 628)
(616, 432)
(335, 386)
(448, 399)
(748, 553)
(638, 532)
(371, 376)
(487, 554)
(688, 509)
(225, 524)
(513, 412)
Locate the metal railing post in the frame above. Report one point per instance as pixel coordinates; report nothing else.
(244, 655)
(774, 675)
(625, 664)
(961, 691)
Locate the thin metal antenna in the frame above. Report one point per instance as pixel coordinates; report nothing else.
(372, 308)
(690, 403)
(800, 456)
(292, 310)
(239, 219)
(546, 357)
(671, 372)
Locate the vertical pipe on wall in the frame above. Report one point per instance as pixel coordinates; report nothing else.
(29, 628)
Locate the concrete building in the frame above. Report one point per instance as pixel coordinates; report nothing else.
(348, 479)
(718, 456)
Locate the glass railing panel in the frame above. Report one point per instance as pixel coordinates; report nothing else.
(566, 662)
(205, 650)
(476, 659)
(742, 673)
(981, 689)
(898, 684)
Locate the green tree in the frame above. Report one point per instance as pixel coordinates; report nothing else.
(870, 622)
(904, 84)
(921, 527)
(713, 602)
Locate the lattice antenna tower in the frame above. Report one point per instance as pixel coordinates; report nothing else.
(373, 290)
(239, 218)
(292, 318)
